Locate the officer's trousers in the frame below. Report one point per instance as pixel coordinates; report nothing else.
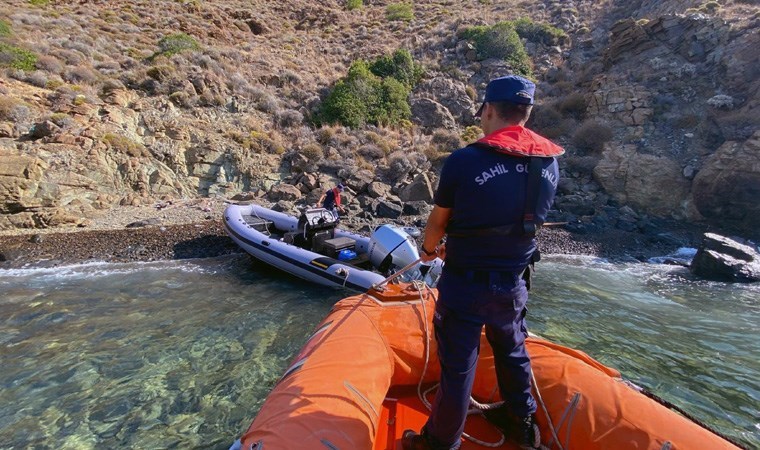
(467, 301)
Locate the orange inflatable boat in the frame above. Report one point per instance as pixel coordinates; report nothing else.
(358, 383)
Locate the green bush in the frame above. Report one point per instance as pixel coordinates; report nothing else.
(373, 92)
(39, 2)
(500, 41)
(400, 65)
(354, 4)
(5, 28)
(176, 43)
(399, 11)
(542, 33)
(17, 58)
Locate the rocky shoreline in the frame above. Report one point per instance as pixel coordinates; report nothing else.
(198, 232)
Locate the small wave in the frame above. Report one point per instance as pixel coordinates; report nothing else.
(682, 256)
(100, 269)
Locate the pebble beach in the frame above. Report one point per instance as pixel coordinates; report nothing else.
(194, 229)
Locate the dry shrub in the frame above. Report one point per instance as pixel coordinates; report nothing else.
(574, 105)
(592, 136)
(371, 152)
(80, 74)
(313, 151)
(70, 57)
(37, 78)
(261, 142)
(124, 144)
(325, 134)
(161, 72)
(289, 118)
(446, 140)
(471, 134)
(49, 63)
(545, 119)
(12, 110)
(434, 155)
(687, 121)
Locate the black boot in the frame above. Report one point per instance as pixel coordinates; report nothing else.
(523, 431)
(413, 441)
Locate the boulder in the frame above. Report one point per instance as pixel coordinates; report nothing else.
(377, 189)
(431, 114)
(420, 189)
(388, 209)
(20, 179)
(727, 187)
(284, 191)
(725, 259)
(450, 93)
(654, 184)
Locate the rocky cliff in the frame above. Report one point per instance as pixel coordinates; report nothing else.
(655, 102)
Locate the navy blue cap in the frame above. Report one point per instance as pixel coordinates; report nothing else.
(512, 88)
(340, 186)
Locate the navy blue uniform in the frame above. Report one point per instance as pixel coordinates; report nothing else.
(487, 189)
(482, 284)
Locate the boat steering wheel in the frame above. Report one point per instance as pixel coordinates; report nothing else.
(324, 216)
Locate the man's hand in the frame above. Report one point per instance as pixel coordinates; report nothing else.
(428, 255)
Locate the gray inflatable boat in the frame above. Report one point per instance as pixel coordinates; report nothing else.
(312, 247)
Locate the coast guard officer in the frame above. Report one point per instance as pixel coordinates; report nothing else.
(491, 198)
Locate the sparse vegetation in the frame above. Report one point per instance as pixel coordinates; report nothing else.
(16, 57)
(123, 144)
(5, 28)
(313, 151)
(39, 2)
(12, 110)
(354, 4)
(574, 105)
(592, 136)
(500, 41)
(542, 33)
(176, 43)
(472, 134)
(399, 11)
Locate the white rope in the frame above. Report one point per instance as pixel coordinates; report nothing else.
(546, 411)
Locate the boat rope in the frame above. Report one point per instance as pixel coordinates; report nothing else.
(477, 406)
(266, 229)
(351, 388)
(546, 411)
(379, 285)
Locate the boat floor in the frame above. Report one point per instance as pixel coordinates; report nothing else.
(403, 410)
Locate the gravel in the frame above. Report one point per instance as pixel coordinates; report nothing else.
(195, 230)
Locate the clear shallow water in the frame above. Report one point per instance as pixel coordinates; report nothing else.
(182, 354)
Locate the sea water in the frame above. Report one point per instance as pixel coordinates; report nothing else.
(182, 354)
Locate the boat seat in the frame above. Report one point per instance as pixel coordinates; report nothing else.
(335, 245)
(257, 223)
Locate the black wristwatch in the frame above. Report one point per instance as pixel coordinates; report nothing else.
(427, 252)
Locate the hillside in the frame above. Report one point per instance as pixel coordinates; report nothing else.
(106, 103)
